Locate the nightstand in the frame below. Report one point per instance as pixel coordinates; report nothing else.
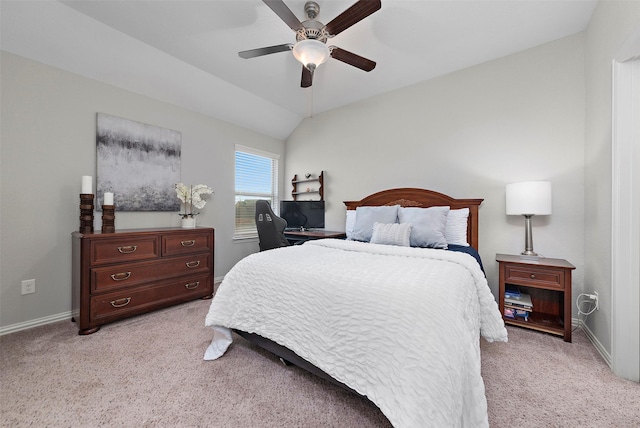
(548, 282)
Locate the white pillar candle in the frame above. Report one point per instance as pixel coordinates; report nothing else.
(87, 184)
(108, 198)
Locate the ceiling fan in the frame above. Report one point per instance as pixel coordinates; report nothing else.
(311, 37)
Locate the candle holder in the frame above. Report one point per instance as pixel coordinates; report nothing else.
(86, 212)
(108, 218)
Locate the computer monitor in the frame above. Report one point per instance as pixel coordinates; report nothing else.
(303, 214)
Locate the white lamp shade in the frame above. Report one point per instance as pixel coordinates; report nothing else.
(311, 51)
(529, 198)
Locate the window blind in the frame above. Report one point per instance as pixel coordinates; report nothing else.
(256, 177)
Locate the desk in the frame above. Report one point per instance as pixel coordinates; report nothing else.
(297, 236)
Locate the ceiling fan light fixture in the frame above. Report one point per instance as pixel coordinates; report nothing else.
(311, 53)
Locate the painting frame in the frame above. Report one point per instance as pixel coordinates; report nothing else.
(139, 163)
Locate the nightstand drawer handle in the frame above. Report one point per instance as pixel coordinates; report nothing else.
(192, 285)
(128, 249)
(190, 243)
(533, 276)
(193, 264)
(117, 304)
(121, 276)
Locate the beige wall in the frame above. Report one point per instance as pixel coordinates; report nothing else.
(612, 22)
(467, 134)
(47, 144)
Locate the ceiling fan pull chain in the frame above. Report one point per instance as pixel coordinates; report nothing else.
(310, 102)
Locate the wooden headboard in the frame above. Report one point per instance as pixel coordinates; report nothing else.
(422, 198)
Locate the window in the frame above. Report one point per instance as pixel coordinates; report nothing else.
(256, 178)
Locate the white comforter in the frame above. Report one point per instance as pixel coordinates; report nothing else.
(399, 325)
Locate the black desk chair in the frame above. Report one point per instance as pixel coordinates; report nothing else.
(270, 227)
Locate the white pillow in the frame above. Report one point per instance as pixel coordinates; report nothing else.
(456, 231)
(429, 225)
(392, 234)
(350, 223)
(367, 216)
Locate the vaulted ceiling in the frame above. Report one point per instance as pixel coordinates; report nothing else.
(186, 52)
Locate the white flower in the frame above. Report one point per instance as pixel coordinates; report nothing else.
(192, 196)
(183, 192)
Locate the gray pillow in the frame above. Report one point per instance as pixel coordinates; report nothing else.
(392, 234)
(367, 216)
(429, 225)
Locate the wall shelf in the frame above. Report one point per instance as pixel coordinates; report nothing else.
(320, 191)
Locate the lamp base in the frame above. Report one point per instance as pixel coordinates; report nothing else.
(529, 253)
(528, 237)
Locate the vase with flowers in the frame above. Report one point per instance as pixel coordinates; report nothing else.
(192, 196)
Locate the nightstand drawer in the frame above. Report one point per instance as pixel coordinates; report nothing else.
(548, 278)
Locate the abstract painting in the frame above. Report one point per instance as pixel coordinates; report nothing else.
(139, 163)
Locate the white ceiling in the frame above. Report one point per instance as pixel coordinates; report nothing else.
(185, 51)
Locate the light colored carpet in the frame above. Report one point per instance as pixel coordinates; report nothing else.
(148, 372)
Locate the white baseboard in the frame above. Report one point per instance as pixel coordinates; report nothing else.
(593, 339)
(35, 323)
(59, 317)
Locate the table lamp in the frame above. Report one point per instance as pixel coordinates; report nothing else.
(528, 199)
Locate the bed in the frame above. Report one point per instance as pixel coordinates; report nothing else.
(377, 313)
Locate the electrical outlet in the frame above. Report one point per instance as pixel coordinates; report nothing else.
(28, 286)
(595, 293)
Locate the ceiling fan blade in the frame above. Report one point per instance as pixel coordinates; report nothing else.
(284, 13)
(252, 53)
(307, 78)
(356, 13)
(352, 59)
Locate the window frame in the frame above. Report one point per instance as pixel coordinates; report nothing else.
(273, 196)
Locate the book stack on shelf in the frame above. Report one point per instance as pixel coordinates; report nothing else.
(517, 304)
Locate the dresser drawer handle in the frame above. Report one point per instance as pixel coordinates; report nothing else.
(189, 243)
(120, 302)
(193, 264)
(192, 285)
(121, 276)
(533, 276)
(128, 249)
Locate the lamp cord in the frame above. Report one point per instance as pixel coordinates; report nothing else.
(580, 312)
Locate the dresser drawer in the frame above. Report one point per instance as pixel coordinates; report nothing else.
(548, 278)
(109, 278)
(133, 301)
(124, 249)
(189, 242)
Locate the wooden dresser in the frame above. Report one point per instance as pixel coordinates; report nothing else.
(129, 272)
